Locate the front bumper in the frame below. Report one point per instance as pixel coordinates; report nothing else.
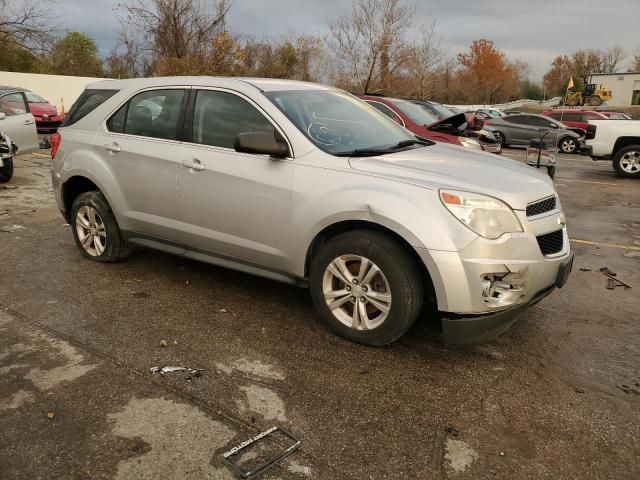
(494, 280)
(48, 123)
(467, 330)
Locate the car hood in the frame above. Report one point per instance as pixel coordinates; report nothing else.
(43, 108)
(444, 166)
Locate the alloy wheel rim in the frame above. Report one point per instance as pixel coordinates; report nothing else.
(630, 162)
(357, 292)
(91, 231)
(568, 146)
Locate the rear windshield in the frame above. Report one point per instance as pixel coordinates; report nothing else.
(86, 103)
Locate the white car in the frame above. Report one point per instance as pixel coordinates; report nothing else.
(618, 141)
(16, 120)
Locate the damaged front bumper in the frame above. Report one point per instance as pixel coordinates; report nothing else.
(470, 329)
(482, 289)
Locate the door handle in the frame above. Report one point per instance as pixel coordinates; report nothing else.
(112, 147)
(29, 122)
(193, 164)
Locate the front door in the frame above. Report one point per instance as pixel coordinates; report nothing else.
(18, 123)
(233, 204)
(141, 148)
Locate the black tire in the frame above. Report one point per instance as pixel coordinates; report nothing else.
(501, 139)
(551, 171)
(116, 248)
(568, 145)
(6, 171)
(404, 278)
(595, 101)
(626, 162)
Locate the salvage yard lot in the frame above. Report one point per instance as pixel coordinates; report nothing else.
(558, 396)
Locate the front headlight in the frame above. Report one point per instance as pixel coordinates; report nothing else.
(470, 143)
(487, 216)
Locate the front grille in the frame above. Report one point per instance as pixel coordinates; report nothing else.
(542, 206)
(551, 243)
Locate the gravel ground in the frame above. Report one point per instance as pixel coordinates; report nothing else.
(558, 396)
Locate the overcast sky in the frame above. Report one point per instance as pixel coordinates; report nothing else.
(532, 30)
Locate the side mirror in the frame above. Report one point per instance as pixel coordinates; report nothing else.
(3, 115)
(553, 125)
(261, 143)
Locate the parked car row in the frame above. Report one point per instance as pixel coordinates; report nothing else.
(436, 122)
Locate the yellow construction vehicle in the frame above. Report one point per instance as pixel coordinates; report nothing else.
(592, 96)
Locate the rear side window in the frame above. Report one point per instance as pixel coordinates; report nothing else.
(86, 103)
(219, 116)
(154, 113)
(519, 119)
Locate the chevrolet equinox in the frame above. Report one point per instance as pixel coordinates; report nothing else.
(307, 184)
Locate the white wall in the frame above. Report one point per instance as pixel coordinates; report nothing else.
(60, 90)
(621, 86)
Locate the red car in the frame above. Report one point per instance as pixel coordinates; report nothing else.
(45, 114)
(424, 123)
(574, 118)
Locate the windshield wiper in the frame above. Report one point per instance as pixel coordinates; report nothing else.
(369, 152)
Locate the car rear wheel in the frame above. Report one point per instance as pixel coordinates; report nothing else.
(568, 145)
(6, 171)
(366, 287)
(626, 162)
(96, 230)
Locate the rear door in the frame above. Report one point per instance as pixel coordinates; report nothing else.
(233, 204)
(18, 122)
(141, 147)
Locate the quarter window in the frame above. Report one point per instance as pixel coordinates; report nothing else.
(87, 102)
(385, 110)
(219, 116)
(13, 104)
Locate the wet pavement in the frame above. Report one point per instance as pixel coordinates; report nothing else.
(558, 396)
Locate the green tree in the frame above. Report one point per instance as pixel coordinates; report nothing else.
(531, 90)
(76, 54)
(18, 59)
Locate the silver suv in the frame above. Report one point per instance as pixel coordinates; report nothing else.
(306, 184)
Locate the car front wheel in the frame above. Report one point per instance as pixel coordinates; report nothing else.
(96, 230)
(366, 287)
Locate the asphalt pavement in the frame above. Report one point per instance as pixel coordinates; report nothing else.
(558, 396)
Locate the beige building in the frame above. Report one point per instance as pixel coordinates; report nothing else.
(625, 87)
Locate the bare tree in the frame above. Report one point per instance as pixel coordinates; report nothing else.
(28, 24)
(176, 33)
(424, 62)
(612, 57)
(370, 43)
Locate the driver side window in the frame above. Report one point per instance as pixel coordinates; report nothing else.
(219, 116)
(13, 104)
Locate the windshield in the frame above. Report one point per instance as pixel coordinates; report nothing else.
(337, 122)
(34, 98)
(416, 113)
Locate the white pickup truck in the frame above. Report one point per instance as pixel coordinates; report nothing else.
(617, 140)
